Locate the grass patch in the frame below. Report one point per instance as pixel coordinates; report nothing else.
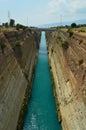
(82, 30)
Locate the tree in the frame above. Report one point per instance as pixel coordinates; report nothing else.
(6, 24)
(73, 25)
(12, 22)
(3, 24)
(19, 26)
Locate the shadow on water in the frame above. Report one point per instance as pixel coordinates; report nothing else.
(41, 112)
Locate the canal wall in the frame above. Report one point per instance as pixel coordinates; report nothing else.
(68, 66)
(18, 55)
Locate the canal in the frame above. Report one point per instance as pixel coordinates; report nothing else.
(41, 112)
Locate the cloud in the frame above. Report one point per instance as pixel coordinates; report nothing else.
(67, 8)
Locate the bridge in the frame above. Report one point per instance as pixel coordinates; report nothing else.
(44, 29)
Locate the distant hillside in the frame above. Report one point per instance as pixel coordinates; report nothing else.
(83, 21)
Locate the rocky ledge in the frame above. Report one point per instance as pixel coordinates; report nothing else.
(18, 55)
(67, 56)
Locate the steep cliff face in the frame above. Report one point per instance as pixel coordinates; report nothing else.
(67, 57)
(18, 54)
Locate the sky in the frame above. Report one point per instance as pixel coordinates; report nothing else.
(38, 12)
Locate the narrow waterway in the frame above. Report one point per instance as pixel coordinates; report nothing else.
(41, 113)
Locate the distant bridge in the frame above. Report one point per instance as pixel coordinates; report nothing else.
(44, 29)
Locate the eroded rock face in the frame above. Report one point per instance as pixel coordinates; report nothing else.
(68, 66)
(17, 61)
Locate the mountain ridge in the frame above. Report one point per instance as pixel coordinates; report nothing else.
(82, 21)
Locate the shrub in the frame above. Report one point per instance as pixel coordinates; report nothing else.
(18, 49)
(17, 43)
(81, 61)
(70, 32)
(52, 50)
(2, 45)
(59, 38)
(81, 41)
(65, 45)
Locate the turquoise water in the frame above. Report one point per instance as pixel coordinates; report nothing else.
(41, 113)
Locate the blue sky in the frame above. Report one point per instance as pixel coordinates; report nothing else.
(42, 11)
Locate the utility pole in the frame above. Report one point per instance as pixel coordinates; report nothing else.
(61, 20)
(27, 21)
(8, 17)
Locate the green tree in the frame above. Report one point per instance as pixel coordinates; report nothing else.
(12, 22)
(6, 24)
(19, 26)
(73, 25)
(3, 24)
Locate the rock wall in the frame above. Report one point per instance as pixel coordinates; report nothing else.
(67, 56)
(18, 55)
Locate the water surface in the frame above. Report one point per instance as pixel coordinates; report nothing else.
(41, 113)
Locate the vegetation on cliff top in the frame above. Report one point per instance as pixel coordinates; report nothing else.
(12, 24)
(70, 31)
